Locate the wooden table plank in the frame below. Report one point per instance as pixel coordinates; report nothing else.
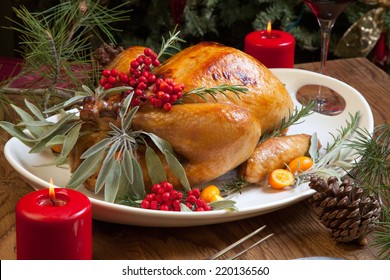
(297, 231)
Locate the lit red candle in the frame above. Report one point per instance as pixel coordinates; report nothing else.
(55, 225)
(273, 48)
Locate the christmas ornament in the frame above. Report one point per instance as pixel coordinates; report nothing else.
(344, 209)
(362, 36)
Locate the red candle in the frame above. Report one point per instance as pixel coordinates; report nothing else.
(55, 226)
(273, 48)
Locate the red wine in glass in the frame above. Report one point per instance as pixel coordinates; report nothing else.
(328, 102)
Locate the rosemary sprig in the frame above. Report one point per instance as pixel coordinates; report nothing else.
(214, 91)
(170, 44)
(294, 118)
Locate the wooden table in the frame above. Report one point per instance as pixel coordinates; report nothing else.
(297, 231)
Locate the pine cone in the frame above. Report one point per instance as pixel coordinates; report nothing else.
(344, 209)
(105, 54)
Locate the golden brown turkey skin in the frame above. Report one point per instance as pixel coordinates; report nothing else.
(210, 138)
(272, 154)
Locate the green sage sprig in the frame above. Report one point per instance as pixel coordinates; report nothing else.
(115, 160)
(337, 156)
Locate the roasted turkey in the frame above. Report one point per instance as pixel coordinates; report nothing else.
(210, 137)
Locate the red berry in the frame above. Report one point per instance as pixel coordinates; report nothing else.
(189, 205)
(150, 196)
(151, 78)
(156, 63)
(155, 188)
(167, 186)
(166, 196)
(173, 98)
(102, 81)
(142, 86)
(135, 102)
(106, 73)
(138, 92)
(114, 72)
(166, 98)
(158, 103)
(148, 61)
(148, 51)
(123, 78)
(167, 107)
(154, 205)
(159, 199)
(191, 199)
(196, 192)
(134, 64)
(164, 207)
(145, 204)
(111, 80)
(200, 209)
(107, 86)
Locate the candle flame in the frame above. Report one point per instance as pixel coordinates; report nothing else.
(269, 27)
(52, 193)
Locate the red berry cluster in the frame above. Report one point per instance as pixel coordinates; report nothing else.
(165, 92)
(112, 78)
(163, 197)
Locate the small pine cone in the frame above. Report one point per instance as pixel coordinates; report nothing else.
(343, 209)
(105, 54)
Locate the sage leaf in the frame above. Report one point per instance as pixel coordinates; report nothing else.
(155, 168)
(125, 105)
(127, 166)
(87, 90)
(138, 186)
(41, 144)
(161, 143)
(224, 205)
(27, 118)
(112, 150)
(112, 182)
(56, 140)
(86, 169)
(313, 149)
(105, 170)
(184, 208)
(114, 90)
(103, 144)
(70, 140)
(129, 118)
(18, 133)
(177, 169)
(123, 182)
(36, 112)
(57, 126)
(73, 100)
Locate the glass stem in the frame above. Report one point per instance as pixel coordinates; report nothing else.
(326, 27)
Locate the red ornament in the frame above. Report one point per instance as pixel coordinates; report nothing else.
(54, 227)
(381, 52)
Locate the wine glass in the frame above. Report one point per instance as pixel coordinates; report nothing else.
(328, 102)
